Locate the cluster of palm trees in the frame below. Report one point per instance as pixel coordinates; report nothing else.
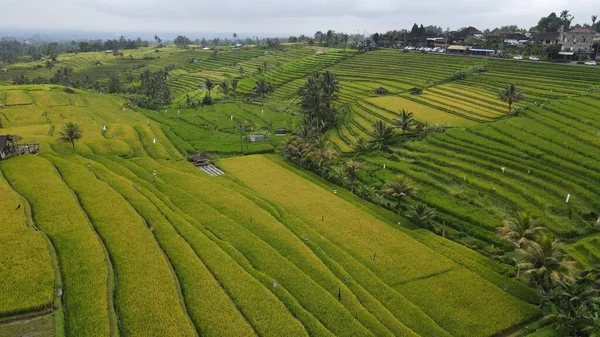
(316, 97)
(384, 135)
(225, 86)
(314, 152)
(574, 298)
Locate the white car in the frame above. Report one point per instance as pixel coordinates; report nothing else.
(590, 63)
(518, 57)
(533, 58)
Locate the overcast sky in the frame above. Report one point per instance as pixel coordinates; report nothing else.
(277, 17)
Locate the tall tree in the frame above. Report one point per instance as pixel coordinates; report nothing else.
(511, 95)
(351, 169)
(399, 188)
(405, 122)
(321, 154)
(384, 135)
(543, 263)
(262, 88)
(345, 39)
(209, 85)
(521, 229)
(421, 215)
(234, 85)
(70, 133)
(316, 96)
(575, 305)
(114, 83)
(224, 85)
(594, 18)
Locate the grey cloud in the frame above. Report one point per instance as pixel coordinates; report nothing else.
(279, 17)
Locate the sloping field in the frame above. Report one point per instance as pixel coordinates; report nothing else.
(404, 264)
(264, 250)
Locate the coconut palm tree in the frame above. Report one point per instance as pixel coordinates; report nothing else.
(224, 87)
(331, 86)
(543, 263)
(521, 229)
(321, 154)
(262, 88)
(399, 188)
(361, 145)
(351, 169)
(234, 85)
(209, 85)
(421, 215)
(366, 192)
(384, 135)
(70, 134)
(405, 122)
(594, 18)
(511, 95)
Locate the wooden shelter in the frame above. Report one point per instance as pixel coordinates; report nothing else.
(201, 159)
(381, 91)
(415, 91)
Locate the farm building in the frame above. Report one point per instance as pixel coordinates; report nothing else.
(381, 91)
(320, 52)
(281, 132)
(201, 159)
(256, 138)
(458, 49)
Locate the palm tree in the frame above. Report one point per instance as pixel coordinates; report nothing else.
(262, 88)
(521, 230)
(405, 122)
(543, 263)
(331, 86)
(321, 154)
(381, 200)
(594, 18)
(241, 71)
(399, 188)
(234, 85)
(70, 134)
(49, 64)
(345, 39)
(384, 135)
(511, 95)
(224, 87)
(351, 168)
(366, 192)
(337, 174)
(209, 85)
(235, 37)
(361, 145)
(421, 215)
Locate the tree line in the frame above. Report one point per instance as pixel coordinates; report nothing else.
(13, 50)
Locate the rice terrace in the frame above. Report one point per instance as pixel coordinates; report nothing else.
(422, 182)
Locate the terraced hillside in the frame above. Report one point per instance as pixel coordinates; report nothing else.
(263, 250)
(486, 167)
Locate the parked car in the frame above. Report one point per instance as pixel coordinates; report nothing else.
(533, 58)
(518, 57)
(590, 63)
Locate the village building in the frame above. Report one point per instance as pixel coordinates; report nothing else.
(578, 41)
(546, 39)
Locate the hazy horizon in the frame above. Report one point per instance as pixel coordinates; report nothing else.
(264, 18)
